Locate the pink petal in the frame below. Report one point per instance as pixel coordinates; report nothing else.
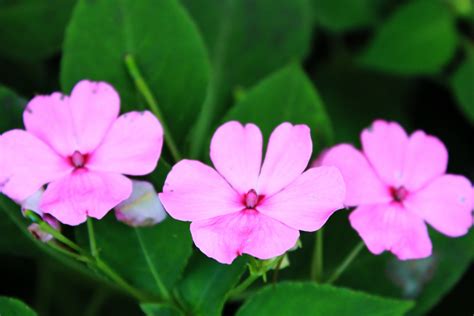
(236, 152)
(445, 203)
(132, 146)
(85, 193)
(226, 237)
(393, 228)
(29, 164)
(195, 191)
(307, 203)
(384, 144)
(426, 158)
(142, 208)
(78, 122)
(362, 184)
(48, 117)
(288, 153)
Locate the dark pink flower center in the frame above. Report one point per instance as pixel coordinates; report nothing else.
(251, 199)
(399, 194)
(78, 160)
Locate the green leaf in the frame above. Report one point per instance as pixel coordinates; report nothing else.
(286, 95)
(312, 299)
(419, 38)
(206, 284)
(462, 87)
(149, 258)
(11, 107)
(343, 15)
(164, 42)
(33, 30)
(160, 310)
(13, 307)
(246, 40)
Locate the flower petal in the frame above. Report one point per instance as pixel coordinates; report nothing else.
(391, 227)
(94, 107)
(236, 152)
(132, 146)
(226, 237)
(384, 144)
(195, 191)
(85, 193)
(362, 184)
(142, 208)
(29, 164)
(426, 158)
(445, 203)
(73, 123)
(288, 153)
(307, 203)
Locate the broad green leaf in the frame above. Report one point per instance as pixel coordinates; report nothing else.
(149, 258)
(462, 85)
(11, 107)
(160, 310)
(13, 307)
(247, 40)
(419, 38)
(31, 29)
(286, 95)
(164, 42)
(312, 299)
(206, 283)
(343, 15)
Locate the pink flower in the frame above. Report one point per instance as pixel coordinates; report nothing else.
(81, 147)
(398, 183)
(246, 207)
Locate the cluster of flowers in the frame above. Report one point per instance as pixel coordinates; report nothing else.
(80, 149)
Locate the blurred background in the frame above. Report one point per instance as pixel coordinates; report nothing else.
(409, 61)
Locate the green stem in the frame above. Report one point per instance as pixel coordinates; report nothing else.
(58, 236)
(346, 262)
(142, 86)
(244, 285)
(317, 263)
(92, 242)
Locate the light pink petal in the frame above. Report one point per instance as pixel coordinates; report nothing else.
(393, 228)
(49, 118)
(384, 144)
(226, 237)
(236, 152)
(85, 193)
(29, 164)
(307, 203)
(195, 191)
(288, 153)
(94, 107)
(142, 208)
(132, 146)
(445, 203)
(426, 158)
(32, 203)
(362, 184)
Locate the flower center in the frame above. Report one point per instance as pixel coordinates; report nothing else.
(398, 194)
(251, 199)
(78, 160)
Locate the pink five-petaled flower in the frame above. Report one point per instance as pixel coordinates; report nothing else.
(247, 207)
(398, 183)
(81, 147)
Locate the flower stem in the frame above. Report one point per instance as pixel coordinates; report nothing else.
(58, 236)
(346, 262)
(92, 242)
(318, 257)
(244, 285)
(142, 86)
